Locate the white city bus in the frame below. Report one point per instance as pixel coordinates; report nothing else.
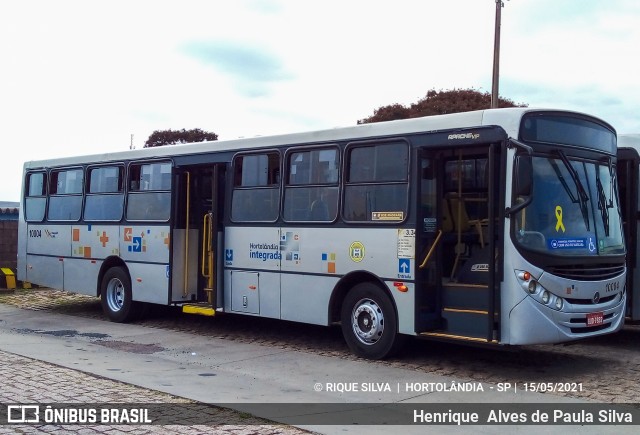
(496, 226)
(628, 180)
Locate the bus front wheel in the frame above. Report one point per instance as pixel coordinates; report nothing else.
(116, 297)
(369, 322)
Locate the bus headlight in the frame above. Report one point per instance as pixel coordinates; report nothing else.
(527, 281)
(545, 296)
(538, 292)
(559, 303)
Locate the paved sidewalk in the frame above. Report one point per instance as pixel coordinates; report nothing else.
(27, 381)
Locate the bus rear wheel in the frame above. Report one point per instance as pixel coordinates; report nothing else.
(369, 322)
(116, 296)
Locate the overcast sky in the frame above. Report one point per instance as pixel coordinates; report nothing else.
(81, 77)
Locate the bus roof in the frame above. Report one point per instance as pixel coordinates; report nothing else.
(507, 118)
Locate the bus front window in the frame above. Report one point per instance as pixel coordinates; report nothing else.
(574, 209)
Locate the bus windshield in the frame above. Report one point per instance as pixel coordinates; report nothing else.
(574, 209)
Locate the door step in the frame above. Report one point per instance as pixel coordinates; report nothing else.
(448, 336)
(200, 309)
(465, 296)
(465, 322)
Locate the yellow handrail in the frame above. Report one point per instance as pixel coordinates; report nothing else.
(433, 247)
(207, 254)
(206, 235)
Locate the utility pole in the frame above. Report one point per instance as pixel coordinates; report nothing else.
(131, 147)
(496, 55)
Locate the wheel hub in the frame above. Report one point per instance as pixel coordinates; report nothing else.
(367, 321)
(115, 295)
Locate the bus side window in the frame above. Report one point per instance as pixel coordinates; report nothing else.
(256, 193)
(65, 202)
(104, 199)
(149, 195)
(36, 200)
(381, 192)
(311, 185)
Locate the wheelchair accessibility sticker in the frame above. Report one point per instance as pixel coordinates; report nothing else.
(573, 243)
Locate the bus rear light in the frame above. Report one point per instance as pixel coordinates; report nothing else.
(139, 279)
(401, 287)
(532, 287)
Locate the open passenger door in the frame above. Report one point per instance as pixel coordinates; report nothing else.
(457, 289)
(198, 250)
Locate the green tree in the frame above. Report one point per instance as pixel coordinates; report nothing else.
(170, 137)
(438, 103)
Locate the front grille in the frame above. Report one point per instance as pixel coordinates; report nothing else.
(588, 272)
(590, 301)
(592, 329)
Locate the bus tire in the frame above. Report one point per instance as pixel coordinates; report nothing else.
(116, 296)
(369, 322)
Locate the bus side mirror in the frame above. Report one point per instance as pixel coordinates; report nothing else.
(523, 176)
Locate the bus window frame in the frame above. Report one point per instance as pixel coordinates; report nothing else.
(346, 164)
(43, 196)
(121, 191)
(139, 192)
(53, 196)
(285, 182)
(277, 187)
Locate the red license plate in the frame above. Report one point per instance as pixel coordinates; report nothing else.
(595, 319)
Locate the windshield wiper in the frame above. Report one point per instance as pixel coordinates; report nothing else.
(567, 189)
(603, 204)
(582, 193)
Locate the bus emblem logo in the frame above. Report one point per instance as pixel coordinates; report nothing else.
(356, 252)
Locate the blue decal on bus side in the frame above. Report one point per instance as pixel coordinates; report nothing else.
(404, 268)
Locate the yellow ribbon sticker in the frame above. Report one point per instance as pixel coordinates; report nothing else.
(559, 224)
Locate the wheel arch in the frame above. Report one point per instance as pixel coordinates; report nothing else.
(346, 283)
(107, 264)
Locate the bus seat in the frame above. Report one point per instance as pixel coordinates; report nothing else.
(447, 222)
(459, 229)
(319, 211)
(460, 221)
